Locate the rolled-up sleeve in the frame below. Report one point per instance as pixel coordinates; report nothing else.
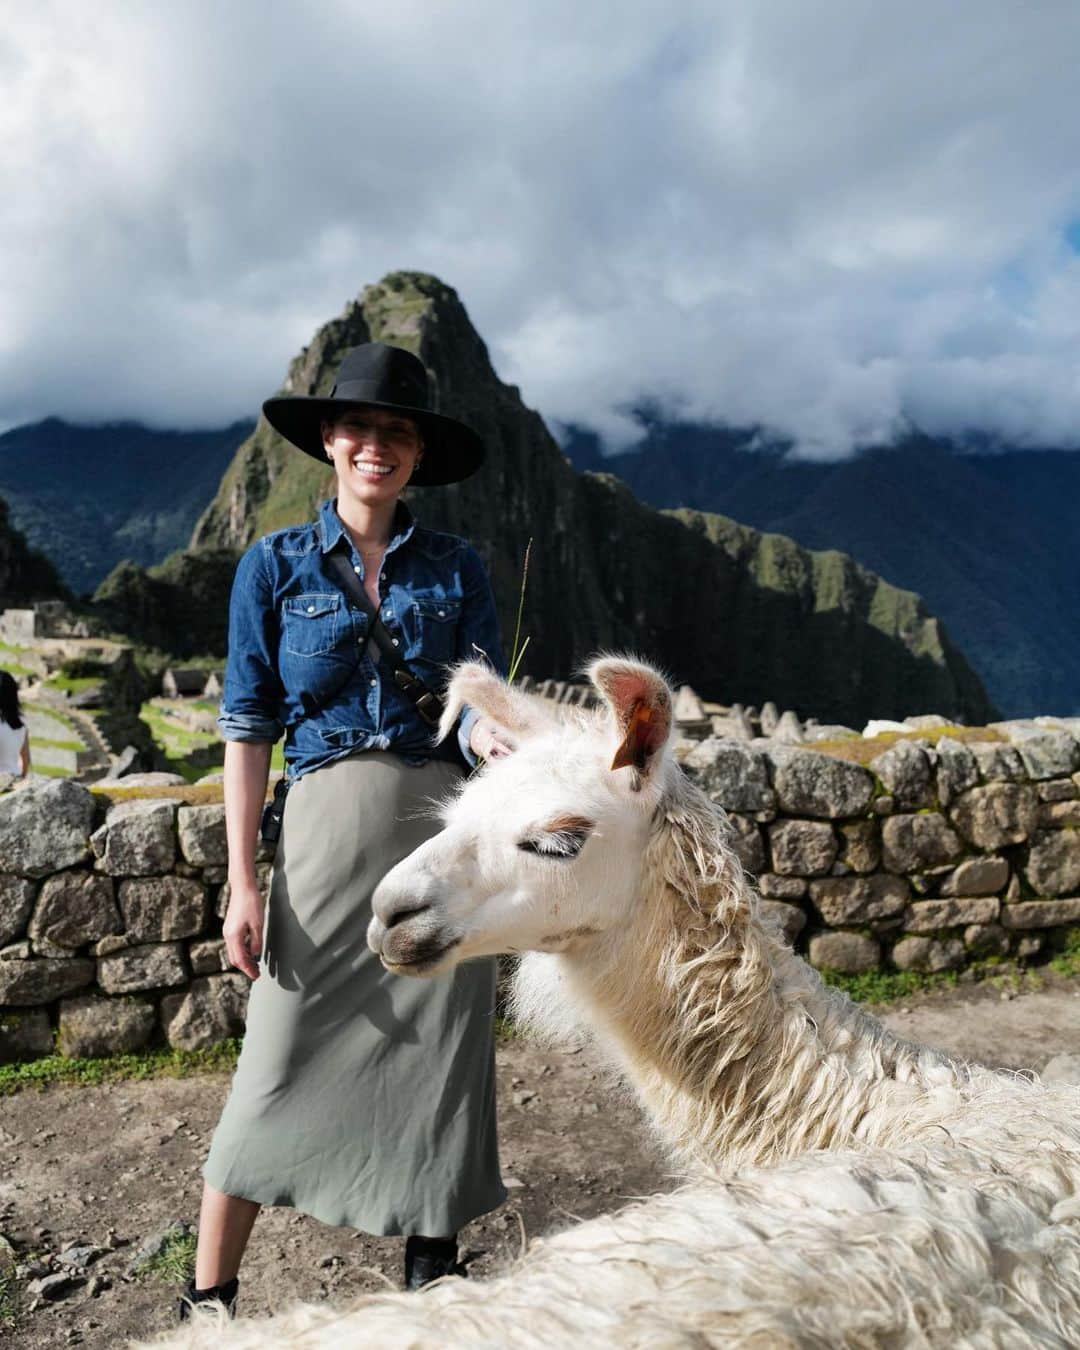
(252, 697)
(478, 635)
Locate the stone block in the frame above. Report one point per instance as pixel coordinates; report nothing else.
(24, 1035)
(912, 843)
(811, 784)
(201, 830)
(996, 815)
(884, 805)
(998, 763)
(1053, 863)
(977, 876)
(45, 826)
(208, 958)
(41, 980)
(781, 888)
(140, 838)
(158, 965)
(1057, 790)
(802, 848)
(929, 916)
(1045, 753)
(904, 769)
(158, 909)
(1060, 815)
(17, 951)
(860, 846)
(957, 769)
(1039, 913)
(1031, 944)
(788, 920)
(731, 774)
(928, 954)
(849, 953)
(115, 942)
(74, 908)
(746, 844)
(91, 1025)
(857, 900)
(211, 1011)
(16, 906)
(986, 939)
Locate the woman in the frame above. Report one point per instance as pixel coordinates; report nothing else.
(361, 1098)
(14, 735)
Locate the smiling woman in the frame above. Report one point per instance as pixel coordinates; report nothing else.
(403, 1137)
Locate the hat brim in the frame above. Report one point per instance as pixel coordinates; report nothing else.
(452, 450)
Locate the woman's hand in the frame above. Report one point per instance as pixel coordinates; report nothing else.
(487, 741)
(243, 929)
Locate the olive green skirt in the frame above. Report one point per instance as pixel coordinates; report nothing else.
(360, 1097)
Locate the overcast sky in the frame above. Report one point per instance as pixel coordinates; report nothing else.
(821, 218)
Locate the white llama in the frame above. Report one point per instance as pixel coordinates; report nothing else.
(846, 1188)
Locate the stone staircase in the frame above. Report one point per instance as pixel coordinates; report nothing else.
(64, 740)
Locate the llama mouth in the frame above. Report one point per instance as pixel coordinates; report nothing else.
(422, 959)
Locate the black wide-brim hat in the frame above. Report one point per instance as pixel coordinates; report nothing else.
(380, 376)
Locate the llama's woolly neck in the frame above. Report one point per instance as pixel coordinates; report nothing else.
(738, 1051)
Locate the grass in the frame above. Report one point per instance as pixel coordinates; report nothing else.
(8, 1286)
(1067, 960)
(885, 986)
(57, 745)
(58, 1071)
(861, 750)
(73, 684)
(175, 1263)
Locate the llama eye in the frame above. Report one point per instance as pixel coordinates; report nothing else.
(561, 841)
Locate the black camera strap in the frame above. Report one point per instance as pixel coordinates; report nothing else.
(426, 702)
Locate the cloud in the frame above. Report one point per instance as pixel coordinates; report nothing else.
(829, 221)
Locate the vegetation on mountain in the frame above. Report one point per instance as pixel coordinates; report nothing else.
(987, 539)
(25, 574)
(738, 614)
(89, 496)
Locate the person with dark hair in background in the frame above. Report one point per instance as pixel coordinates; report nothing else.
(361, 1098)
(14, 734)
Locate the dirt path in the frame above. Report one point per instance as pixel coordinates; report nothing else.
(111, 1165)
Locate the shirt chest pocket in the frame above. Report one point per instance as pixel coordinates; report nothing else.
(311, 623)
(432, 624)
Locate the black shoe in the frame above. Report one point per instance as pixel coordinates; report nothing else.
(428, 1259)
(224, 1293)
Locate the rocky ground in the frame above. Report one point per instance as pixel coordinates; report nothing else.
(88, 1174)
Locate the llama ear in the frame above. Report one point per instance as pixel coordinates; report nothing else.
(476, 684)
(640, 700)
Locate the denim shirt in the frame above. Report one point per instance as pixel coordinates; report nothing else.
(299, 658)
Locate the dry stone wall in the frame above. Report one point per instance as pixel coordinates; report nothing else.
(110, 924)
(928, 859)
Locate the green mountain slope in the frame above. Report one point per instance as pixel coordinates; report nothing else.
(25, 575)
(738, 614)
(986, 539)
(88, 496)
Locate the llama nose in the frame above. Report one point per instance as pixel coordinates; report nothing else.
(404, 911)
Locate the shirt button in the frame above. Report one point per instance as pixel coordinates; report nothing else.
(311, 609)
(394, 641)
(374, 683)
(356, 568)
(442, 613)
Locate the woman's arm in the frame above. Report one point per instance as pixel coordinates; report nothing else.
(247, 768)
(24, 754)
